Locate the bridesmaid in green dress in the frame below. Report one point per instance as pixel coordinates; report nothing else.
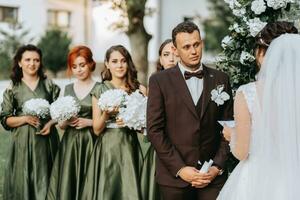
(76, 146)
(115, 166)
(31, 154)
(149, 187)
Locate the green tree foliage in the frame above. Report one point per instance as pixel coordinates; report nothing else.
(55, 47)
(216, 27)
(10, 41)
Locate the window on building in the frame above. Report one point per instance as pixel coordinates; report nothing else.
(8, 14)
(59, 18)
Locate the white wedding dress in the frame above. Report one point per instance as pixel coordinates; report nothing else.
(272, 169)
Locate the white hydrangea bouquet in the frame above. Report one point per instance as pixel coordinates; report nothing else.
(36, 107)
(112, 99)
(250, 17)
(64, 108)
(133, 113)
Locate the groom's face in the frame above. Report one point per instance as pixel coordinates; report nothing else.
(189, 48)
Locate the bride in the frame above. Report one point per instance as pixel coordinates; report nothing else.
(266, 138)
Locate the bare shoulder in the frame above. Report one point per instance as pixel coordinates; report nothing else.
(240, 103)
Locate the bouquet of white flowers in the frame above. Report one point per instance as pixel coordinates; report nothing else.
(111, 99)
(64, 108)
(36, 107)
(133, 113)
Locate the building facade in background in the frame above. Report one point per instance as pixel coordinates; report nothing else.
(73, 16)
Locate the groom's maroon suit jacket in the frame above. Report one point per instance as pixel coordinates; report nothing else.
(180, 132)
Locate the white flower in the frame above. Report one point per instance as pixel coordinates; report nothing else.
(36, 107)
(233, 4)
(258, 6)
(227, 40)
(219, 96)
(276, 4)
(245, 56)
(237, 28)
(133, 113)
(239, 12)
(111, 99)
(221, 58)
(64, 108)
(255, 26)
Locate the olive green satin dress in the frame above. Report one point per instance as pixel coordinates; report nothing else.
(31, 155)
(74, 153)
(149, 187)
(115, 165)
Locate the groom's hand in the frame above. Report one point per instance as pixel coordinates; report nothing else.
(206, 178)
(188, 174)
(201, 180)
(213, 172)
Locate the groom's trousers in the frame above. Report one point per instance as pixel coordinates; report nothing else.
(210, 192)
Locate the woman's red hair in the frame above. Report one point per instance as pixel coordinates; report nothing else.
(84, 52)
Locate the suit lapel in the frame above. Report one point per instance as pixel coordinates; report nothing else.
(208, 86)
(182, 89)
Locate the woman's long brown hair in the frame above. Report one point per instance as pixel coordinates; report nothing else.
(132, 82)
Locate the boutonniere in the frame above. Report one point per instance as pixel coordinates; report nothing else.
(219, 96)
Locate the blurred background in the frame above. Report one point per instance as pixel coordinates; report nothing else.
(139, 25)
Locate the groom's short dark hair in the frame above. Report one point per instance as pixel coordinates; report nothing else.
(184, 27)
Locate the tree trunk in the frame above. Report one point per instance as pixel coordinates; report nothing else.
(139, 41)
(138, 37)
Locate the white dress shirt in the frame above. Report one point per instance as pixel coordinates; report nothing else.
(194, 84)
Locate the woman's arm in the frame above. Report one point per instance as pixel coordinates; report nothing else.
(239, 137)
(99, 117)
(47, 127)
(17, 121)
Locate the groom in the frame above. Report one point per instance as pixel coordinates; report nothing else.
(182, 121)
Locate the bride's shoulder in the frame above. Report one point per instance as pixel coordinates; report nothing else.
(248, 92)
(247, 88)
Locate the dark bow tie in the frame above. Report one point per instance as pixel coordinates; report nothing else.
(198, 74)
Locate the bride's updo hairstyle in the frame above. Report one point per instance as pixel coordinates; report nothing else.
(271, 31)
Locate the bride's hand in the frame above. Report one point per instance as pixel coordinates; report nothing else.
(227, 131)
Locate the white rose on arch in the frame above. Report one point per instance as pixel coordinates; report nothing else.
(245, 56)
(276, 4)
(227, 40)
(255, 26)
(258, 6)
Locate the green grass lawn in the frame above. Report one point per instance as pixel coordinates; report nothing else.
(4, 147)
